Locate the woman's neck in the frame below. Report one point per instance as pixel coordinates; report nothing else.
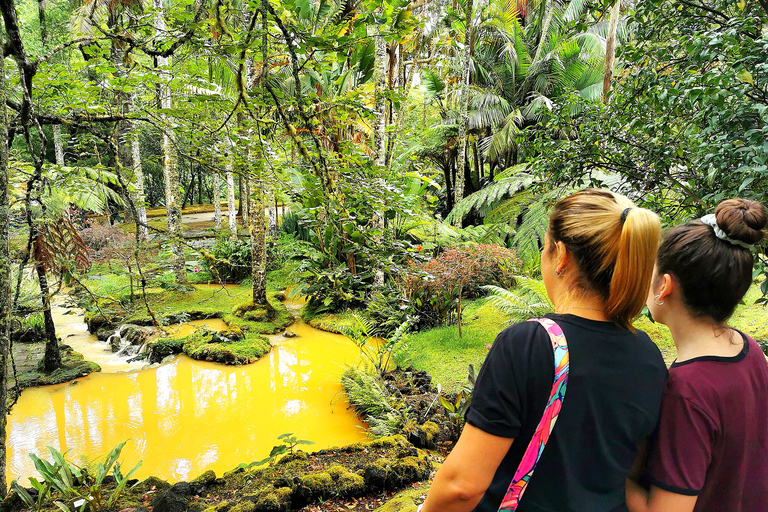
(695, 337)
(591, 308)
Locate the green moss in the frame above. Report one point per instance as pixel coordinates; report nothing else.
(206, 478)
(335, 322)
(204, 346)
(400, 503)
(224, 506)
(321, 484)
(149, 483)
(244, 506)
(269, 499)
(431, 430)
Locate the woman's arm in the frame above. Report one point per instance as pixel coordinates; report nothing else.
(467, 472)
(658, 500)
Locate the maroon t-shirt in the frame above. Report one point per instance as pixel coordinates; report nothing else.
(712, 440)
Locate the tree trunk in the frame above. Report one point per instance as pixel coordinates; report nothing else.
(52, 357)
(231, 207)
(199, 186)
(138, 196)
(458, 188)
(610, 49)
(5, 269)
(379, 127)
(189, 195)
(544, 29)
(170, 162)
(58, 144)
(216, 199)
(257, 231)
(379, 134)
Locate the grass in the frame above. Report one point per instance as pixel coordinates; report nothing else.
(445, 355)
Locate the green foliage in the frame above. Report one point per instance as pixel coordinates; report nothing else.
(375, 352)
(365, 391)
(530, 300)
(229, 260)
(68, 483)
(433, 289)
(389, 309)
(456, 408)
(288, 443)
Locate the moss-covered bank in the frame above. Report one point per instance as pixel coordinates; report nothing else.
(293, 482)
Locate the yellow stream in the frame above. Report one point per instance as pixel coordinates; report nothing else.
(187, 416)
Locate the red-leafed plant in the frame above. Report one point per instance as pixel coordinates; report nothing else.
(435, 289)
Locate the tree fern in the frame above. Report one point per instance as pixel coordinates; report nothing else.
(530, 301)
(509, 182)
(531, 232)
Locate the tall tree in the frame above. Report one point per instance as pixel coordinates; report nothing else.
(5, 268)
(610, 48)
(170, 156)
(466, 63)
(231, 206)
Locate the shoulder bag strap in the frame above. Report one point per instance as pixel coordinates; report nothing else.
(544, 429)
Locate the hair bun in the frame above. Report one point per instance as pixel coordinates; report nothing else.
(742, 219)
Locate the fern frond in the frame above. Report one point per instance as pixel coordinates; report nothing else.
(530, 301)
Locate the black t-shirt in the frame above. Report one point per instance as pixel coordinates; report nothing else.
(612, 403)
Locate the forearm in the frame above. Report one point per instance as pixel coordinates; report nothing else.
(467, 472)
(637, 497)
(448, 494)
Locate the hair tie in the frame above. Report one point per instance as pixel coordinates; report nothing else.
(711, 220)
(625, 213)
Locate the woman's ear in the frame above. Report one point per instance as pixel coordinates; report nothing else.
(668, 286)
(562, 257)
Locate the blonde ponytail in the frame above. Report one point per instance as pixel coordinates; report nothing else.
(614, 245)
(633, 266)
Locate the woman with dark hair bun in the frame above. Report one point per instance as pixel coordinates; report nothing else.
(711, 449)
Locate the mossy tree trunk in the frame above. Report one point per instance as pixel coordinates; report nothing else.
(52, 357)
(170, 160)
(216, 200)
(5, 268)
(231, 207)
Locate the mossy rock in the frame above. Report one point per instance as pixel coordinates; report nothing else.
(148, 483)
(424, 436)
(244, 506)
(206, 478)
(271, 499)
(393, 474)
(163, 348)
(224, 506)
(398, 504)
(319, 484)
(346, 483)
(201, 346)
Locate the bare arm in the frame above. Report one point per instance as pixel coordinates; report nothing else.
(658, 500)
(467, 472)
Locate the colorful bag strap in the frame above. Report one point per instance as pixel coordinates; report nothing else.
(544, 429)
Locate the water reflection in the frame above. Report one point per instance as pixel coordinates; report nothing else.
(188, 416)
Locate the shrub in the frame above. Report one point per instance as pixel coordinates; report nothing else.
(434, 288)
(104, 242)
(229, 261)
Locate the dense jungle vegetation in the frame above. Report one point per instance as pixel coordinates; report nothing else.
(390, 161)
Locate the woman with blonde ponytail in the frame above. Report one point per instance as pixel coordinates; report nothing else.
(597, 264)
